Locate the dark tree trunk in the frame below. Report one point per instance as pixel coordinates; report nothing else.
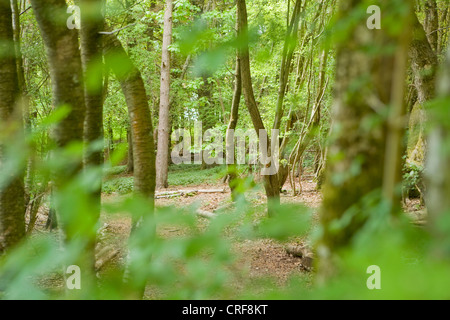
(143, 143)
(25, 102)
(140, 119)
(130, 161)
(230, 152)
(288, 51)
(66, 72)
(92, 60)
(271, 183)
(12, 208)
(65, 68)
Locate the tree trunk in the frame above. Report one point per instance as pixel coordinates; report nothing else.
(140, 119)
(437, 170)
(318, 105)
(431, 24)
(12, 207)
(230, 152)
(363, 90)
(288, 51)
(271, 184)
(92, 61)
(66, 74)
(164, 121)
(143, 143)
(130, 162)
(25, 99)
(423, 62)
(67, 77)
(65, 68)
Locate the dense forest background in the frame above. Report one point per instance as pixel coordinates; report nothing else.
(98, 96)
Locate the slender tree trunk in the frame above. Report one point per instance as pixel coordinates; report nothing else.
(318, 105)
(395, 148)
(92, 60)
(164, 121)
(12, 208)
(25, 101)
(206, 112)
(271, 183)
(130, 161)
(288, 51)
(140, 119)
(232, 168)
(143, 143)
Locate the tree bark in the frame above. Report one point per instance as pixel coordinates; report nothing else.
(164, 121)
(431, 24)
(65, 68)
(271, 184)
(140, 119)
(66, 72)
(234, 116)
(12, 207)
(437, 171)
(25, 99)
(130, 161)
(423, 62)
(288, 51)
(363, 91)
(143, 143)
(92, 62)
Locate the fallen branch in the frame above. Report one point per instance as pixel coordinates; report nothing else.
(303, 253)
(106, 255)
(206, 214)
(169, 196)
(179, 193)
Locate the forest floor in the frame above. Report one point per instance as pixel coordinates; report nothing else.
(257, 259)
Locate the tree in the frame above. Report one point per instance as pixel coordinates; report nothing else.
(142, 132)
(271, 184)
(65, 68)
(139, 112)
(438, 159)
(432, 24)
(68, 91)
(162, 155)
(364, 89)
(288, 51)
(92, 60)
(423, 63)
(234, 116)
(12, 209)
